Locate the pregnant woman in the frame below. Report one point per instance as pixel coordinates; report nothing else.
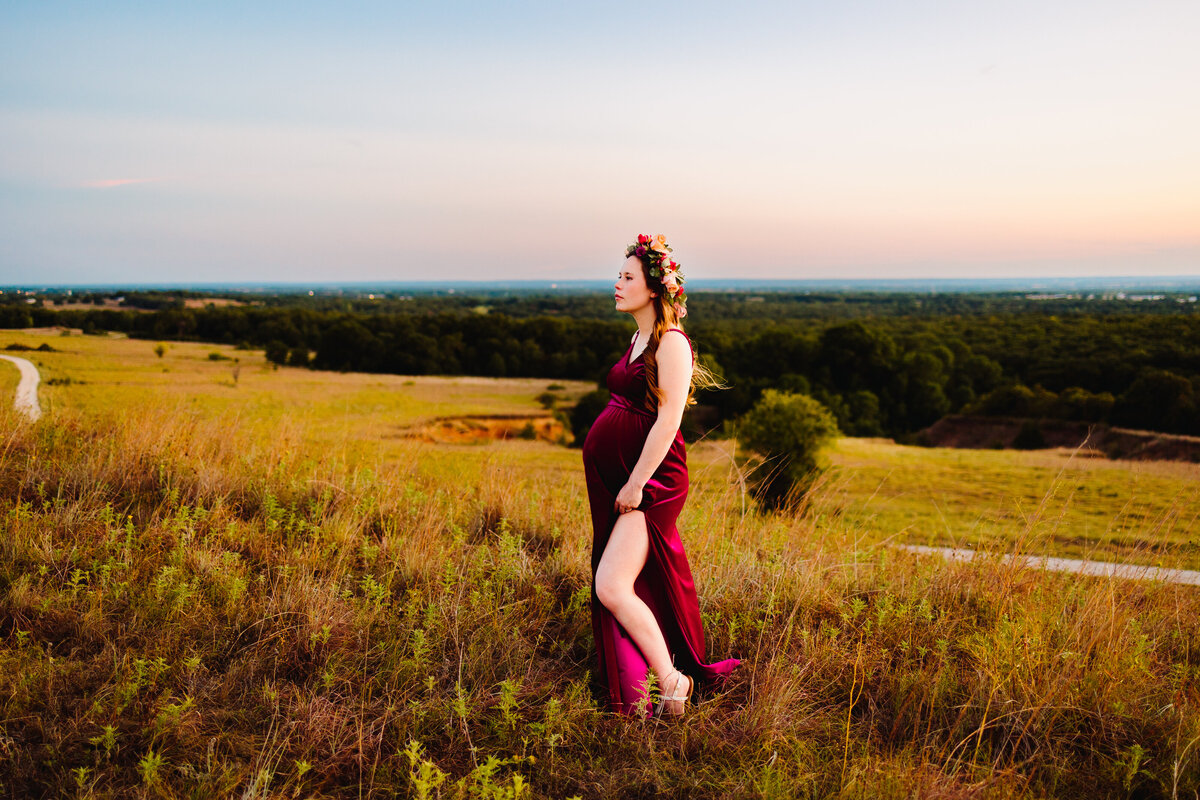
(644, 608)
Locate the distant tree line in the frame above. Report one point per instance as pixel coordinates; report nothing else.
(749, 307)
(890, 374)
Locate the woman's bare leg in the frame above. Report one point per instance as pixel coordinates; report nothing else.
(623, 558)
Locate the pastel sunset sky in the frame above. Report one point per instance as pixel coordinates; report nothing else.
(330, 142)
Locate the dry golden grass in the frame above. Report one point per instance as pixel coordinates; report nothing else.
(251, 589)
(1062, 504)
(9, 378)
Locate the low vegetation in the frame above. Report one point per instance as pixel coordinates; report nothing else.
(211, 588)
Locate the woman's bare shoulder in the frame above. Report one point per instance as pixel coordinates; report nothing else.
(675, 347)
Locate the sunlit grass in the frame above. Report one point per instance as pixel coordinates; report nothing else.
(10, 376)
(1055, 502)
(258, 590)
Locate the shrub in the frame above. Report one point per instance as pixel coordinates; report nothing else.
(276, 352)
(788, 430)
(298, 357)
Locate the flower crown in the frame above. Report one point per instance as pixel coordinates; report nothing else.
(655, 251)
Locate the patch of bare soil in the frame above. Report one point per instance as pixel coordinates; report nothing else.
(108, 305)
(201, 302)
(1095, 439)
(475, 428)
(57, 330)
(51, 330)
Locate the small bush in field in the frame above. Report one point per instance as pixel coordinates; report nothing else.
(788, 430)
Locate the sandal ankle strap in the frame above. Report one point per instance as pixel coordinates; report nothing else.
(675, 697)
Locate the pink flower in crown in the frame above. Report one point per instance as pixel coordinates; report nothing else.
(643, 239)
(670, 284)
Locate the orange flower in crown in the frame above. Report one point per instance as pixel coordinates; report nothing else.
(654, 251)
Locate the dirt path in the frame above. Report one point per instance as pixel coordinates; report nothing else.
(1103, 569)
(26, 399)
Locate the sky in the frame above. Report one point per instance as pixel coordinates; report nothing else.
(213, 142)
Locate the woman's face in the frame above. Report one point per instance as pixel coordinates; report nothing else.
(632, 293)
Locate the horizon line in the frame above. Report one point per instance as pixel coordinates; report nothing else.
(579, 283)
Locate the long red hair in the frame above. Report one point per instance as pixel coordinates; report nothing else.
(666, 318)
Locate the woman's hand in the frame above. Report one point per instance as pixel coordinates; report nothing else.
(629, 498)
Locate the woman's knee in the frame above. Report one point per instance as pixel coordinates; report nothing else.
(624, 556)
(610, 592)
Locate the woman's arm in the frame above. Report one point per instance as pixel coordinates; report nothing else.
(674, 379)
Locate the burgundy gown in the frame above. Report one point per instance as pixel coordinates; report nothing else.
(610, 451)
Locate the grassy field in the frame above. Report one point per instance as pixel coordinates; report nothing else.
(9, 378)
(219, 578)
(1045, 502)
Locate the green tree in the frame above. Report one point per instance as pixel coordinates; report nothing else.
(1015, 400)
(298, 357)
(789, 430)
(1079, 404)
(857, 356)
(864, 414)
(496, 365)
(348, 345)
(1158, 400)
(12, 317)
(277, 352)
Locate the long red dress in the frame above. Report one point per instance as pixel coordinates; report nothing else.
(610, 452)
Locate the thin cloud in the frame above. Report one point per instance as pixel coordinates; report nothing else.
(111, 182)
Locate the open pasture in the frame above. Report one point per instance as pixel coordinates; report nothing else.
(1048, 502)
(214, 585)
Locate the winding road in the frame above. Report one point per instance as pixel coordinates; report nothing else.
(26, 400)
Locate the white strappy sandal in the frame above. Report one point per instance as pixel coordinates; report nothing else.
(662, 700)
